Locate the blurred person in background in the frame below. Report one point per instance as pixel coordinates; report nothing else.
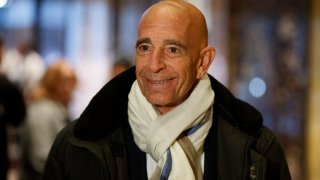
(12, 113)
(120, 66)
(24, 67)
(47, 114)
(167, 118)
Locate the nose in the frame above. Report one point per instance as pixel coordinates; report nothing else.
(156, 62)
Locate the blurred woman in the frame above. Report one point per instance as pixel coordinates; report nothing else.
(47, 114)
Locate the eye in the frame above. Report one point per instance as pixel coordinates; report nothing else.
(173, 51)
(143, 49)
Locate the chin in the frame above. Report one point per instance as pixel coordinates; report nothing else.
(157, 100)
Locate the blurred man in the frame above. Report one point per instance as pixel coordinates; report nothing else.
(167, 118)
(12, 112)
(120, 66)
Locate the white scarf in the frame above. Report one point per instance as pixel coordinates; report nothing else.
(155, 134)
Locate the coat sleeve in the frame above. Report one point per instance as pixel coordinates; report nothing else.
(54, 166)
(68, 161)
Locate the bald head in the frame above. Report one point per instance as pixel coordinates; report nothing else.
(179, 12)
(172, 52)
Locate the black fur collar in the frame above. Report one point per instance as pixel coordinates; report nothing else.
(108, 108)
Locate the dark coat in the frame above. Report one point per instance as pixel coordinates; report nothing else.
(100, 146)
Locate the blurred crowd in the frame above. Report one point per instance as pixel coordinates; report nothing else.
(34, 102)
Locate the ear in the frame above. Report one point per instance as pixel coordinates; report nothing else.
(206, 57)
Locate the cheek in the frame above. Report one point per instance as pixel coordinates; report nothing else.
(183, 86)
(187, 81)
(140, 64)
(138, 68)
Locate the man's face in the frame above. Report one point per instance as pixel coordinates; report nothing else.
(166, 61)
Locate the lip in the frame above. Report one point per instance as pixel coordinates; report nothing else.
(158, 81)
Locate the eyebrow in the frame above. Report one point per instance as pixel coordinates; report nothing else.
(176, 43)
(143, 40)
(167, 42)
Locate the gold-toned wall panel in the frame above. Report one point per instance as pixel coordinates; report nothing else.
(313, 132)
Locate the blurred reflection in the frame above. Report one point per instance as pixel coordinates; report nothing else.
(23, 66)
(271, 45)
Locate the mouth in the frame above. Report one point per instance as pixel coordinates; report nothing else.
(158, 81)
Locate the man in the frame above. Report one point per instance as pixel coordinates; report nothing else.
(171, 120)
(12, 112)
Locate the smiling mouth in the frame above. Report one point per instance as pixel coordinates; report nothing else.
(158, 82)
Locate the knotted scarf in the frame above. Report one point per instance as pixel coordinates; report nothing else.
(175, 139)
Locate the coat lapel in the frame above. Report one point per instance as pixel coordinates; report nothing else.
(136, 158)
(210, 151)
